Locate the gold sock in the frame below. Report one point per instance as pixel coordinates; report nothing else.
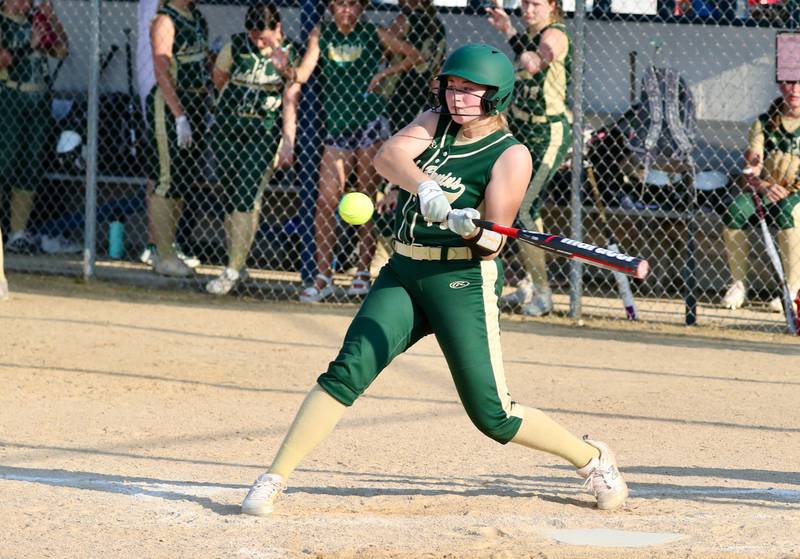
(316, 418)
(534, 261)
(242, 232)
(21, 208)
(789, 244)
(736, 250)
(162, 215)
(540, 432)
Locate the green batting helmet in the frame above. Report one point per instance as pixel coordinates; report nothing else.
(485, 65)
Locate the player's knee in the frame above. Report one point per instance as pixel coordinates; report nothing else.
(496, 426)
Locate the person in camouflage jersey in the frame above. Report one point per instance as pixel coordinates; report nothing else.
(27, 38)
(255, 114)
(349, 50)
(540, 119)
(773, 159)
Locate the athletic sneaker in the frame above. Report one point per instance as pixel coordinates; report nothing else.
(360, 285)
(540, 305)
(23, 242)
(148, 255)
(173, 267)
(59, 245)
(191, 261)
(735, 297)
(313, 295)
(776, 305)
(3, 290)
(603, 478)
(522, 296)
(262, 495)
(225, 282)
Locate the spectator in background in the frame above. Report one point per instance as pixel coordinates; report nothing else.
(349, 49)
(408, 92)
(145, 82)
(27, 38)
(773, 172)
(255, 73)
(177, 111)
(540, 119)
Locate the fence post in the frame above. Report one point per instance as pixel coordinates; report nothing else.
(90, 224)
(576, 268)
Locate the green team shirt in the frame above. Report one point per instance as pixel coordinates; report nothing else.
(543, 93)
(426, 33)
(462, 171)
(779, 150)
(348, 64)
(28, 66)
(190, 48)
(255, 88)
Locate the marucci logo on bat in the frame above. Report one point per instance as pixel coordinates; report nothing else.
(598, 250)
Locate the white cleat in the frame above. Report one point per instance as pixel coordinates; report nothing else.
(540, 305)
(225, 282)
(312, 294)
(776, 305)
(603, 478)
(262, 495)
(173, 267)
(522, 296)
(3, 290)
(735, 297)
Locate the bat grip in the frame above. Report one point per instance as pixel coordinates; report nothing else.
(503, 230)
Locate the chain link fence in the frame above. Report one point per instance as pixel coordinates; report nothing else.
(205, 163)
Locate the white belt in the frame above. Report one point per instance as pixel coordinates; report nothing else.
(416, 252)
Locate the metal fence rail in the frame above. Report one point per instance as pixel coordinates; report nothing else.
(97, 175)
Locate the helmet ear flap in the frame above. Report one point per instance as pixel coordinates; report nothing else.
(489, 101)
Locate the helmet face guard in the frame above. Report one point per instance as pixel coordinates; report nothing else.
(484, 65)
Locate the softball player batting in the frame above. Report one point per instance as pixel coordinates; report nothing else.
(445, 279)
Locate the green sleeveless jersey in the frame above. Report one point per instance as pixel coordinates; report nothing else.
(348, 64)
(189, 66)
(462, 171)
(29, 66)
(426, 33)
(255, 88)
(545, 93)
(781, 154)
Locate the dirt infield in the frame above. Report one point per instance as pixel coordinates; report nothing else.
(132, 423)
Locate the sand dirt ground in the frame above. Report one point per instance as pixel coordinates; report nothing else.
(132, 423)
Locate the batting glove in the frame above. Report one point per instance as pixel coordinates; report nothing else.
(184, 131)
(460, 221)
(433, 204)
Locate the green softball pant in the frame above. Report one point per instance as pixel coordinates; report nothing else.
(176, 170)
(742, 211)
(548, 143)
(245, 149)
(25, 122)
(457, 301)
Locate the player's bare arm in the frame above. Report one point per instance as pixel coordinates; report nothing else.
(411, 57)
(310, 58)
(553, 46)
(162, 37)
(395, 159)
(510, 178)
